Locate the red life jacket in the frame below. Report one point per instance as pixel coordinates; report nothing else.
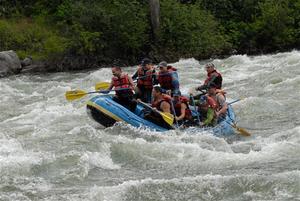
(122, 82)
(145, 78)
(212, 103)
(177, 107)
(165, 80)
(215, 102)
(218, 82)
(157, 103)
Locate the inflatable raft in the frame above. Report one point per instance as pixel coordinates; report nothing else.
(107, 112)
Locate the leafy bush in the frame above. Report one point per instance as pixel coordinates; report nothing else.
(274, 27)
(121, 29)
(189, 30)
(29, 38)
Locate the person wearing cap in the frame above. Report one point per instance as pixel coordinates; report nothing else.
(123, 85)
(183, 114)
(207, 111)
(146, 78)
(219, 98)
(167, 78)
(161, 102)
(213, 76)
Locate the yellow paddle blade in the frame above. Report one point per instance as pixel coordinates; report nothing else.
(75, 94)
(102, 86)
(168, 118)
(242, 131)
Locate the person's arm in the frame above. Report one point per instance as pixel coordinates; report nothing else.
(135, 75)
(154, 77)
(175, 82)
(131, 82)
(223, 104)
(111, 85)
(165, 107)
(182, 111)
(109, 88)
(210, 116)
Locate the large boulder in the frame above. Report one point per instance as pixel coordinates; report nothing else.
(9, 63)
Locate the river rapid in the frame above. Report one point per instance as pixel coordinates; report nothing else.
(51, 150)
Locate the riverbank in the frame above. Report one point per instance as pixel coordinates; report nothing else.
(81, 63)
(79, 35)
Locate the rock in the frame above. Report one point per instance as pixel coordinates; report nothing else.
(9, 63)
(27, 61)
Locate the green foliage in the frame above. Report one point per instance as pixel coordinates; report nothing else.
(189, 30)
(274, 27)
(29, 38)
(112, 28)
(121, 29)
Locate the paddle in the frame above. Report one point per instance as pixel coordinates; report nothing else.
(77, 94)
(173, 110)
(241, 131)
(102, 85)
(168, 118)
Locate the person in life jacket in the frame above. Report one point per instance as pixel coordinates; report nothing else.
(206, 109)
(183, 114)
(123, 86)
(213, 77)
(219, 98)
(162, 103)
(146, 78)
(167, 78)
(174, 70)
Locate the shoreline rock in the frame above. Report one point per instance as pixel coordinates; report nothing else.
(9, 63)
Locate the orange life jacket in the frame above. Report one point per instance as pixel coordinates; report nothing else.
(145, 78)
(177, 107)
(157, 103)
(212, 103)
(165, 79)
(215, 102)
(121, 83)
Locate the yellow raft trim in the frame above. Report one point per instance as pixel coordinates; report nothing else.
(108, 113)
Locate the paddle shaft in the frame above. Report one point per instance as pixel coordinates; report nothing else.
(168, 119)
(233, 101)
(173, 110)
(102, 91)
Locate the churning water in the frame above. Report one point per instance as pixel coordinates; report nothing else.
(51, 150)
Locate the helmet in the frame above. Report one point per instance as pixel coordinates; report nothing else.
(209, 65)
(158, 88)
(146, 61)
(162, 64)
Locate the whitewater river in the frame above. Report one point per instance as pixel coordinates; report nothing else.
(51, 150)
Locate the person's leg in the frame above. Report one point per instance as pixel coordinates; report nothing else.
(129, 103)
(157, 119)
(148, 95)
(116, 99)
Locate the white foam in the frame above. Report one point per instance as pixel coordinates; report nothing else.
(14, 159)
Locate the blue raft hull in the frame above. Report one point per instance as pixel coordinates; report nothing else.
(107, 112)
